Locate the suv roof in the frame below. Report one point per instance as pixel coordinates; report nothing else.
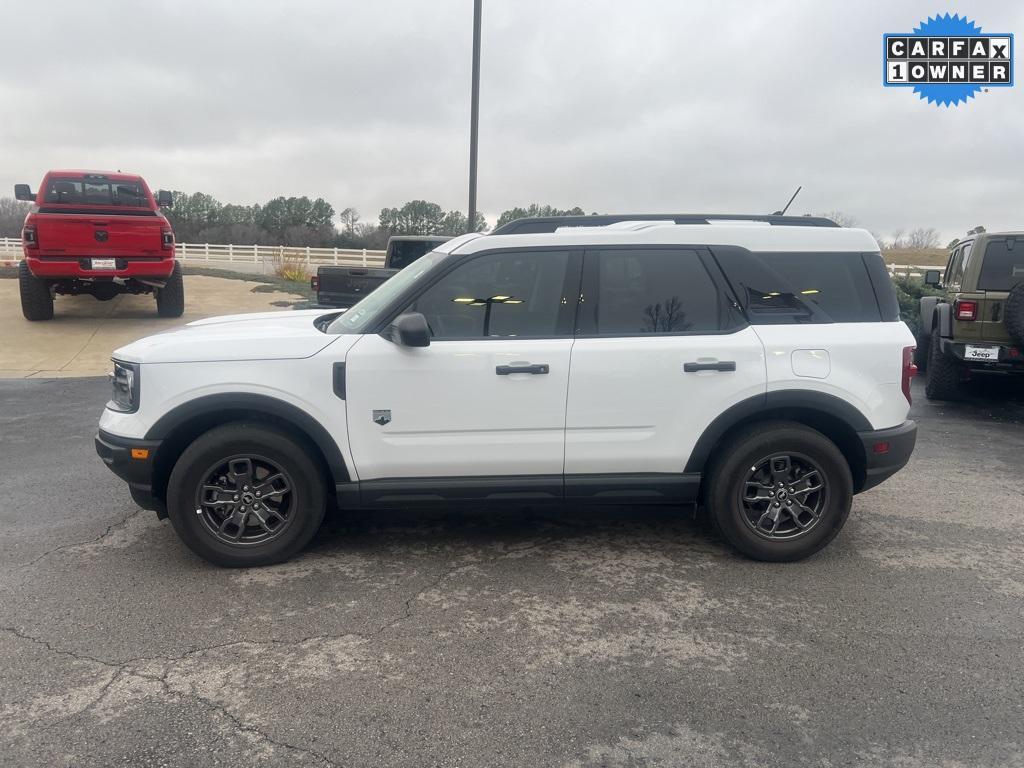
(551, 223)
(754, 235)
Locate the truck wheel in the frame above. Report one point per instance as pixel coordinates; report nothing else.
(942, 381)
(779, 491)
(921, 353)
(246, 494)
(36, 299)
(170, 300)
(1014, 313)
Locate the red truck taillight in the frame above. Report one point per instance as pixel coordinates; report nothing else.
(314, 283)
(30, 237)
(166, 239)
(909, 371)
(966, 310)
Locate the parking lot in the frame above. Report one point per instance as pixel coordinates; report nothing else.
(79, 339)
(599, 637)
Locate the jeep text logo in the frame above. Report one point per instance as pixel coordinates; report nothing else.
(948, 59)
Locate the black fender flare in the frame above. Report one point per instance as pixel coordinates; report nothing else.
(767, 404)
(943, 322)
(229, 406)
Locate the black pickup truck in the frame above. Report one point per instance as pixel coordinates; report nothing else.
(344, 286)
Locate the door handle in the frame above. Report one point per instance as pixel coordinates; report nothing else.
(505, 370)
(724, 365)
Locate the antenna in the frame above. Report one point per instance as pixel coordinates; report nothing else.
(783, 211)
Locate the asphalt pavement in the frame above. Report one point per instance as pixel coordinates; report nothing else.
(605, 637)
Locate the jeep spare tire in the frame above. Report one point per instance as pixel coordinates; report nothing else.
(1014, 314)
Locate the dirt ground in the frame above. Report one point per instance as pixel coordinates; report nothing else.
(83, 333)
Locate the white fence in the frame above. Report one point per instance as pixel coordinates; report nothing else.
(251, 258)
(262, 258)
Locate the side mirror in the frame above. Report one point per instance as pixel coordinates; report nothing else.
(24, 192)
(933, 278)
(164, 199)
(409, 330)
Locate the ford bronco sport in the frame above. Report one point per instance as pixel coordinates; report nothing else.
(755, 365)
(96, 233)
(977, 327)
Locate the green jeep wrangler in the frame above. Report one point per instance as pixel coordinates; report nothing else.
(977, 326)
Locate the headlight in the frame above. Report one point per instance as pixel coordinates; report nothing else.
(124, 386)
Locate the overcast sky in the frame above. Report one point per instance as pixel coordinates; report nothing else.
(648, 105)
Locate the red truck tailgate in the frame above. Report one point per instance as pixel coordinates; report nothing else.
(98, 235)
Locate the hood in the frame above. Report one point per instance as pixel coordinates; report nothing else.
(281, 335)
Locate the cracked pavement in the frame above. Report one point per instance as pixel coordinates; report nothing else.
(534, 637)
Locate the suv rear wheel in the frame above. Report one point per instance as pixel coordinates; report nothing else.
(36, 299)
(170, 300)
(779, 491)
(246, 494)
(942, 380)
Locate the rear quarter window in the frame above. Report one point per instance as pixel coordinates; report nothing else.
(806, 287)
(1003, 266)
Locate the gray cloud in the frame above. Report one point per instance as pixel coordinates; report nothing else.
(643, 106)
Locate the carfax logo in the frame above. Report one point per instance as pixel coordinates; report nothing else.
(948, 59)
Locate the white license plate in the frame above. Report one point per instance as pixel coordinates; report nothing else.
(981, 353)
(104, 264)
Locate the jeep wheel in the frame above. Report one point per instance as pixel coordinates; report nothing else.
(36, 299)
(942, 381)
(779, 491)
(170, 300)
(246, 494)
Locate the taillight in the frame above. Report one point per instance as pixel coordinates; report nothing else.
(314, 283)
(29, 237)
(909, 371)
(167, 239)
(966, 310)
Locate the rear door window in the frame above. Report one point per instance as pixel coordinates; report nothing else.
(1003, 266)
(639, 292)
(777, 288)
(96, 192)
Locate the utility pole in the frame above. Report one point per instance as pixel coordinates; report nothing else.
(474, 115)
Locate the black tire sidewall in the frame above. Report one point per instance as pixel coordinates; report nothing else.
(36, 299)
(240, 438)
(754, 445)
(170, 300)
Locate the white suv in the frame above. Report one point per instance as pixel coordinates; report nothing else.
(755, 365)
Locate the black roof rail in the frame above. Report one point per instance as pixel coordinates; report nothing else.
(537, 224)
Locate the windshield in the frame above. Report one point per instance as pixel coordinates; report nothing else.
(364, 314)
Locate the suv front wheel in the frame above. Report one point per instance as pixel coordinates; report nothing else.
(246, 494)
(779, 491)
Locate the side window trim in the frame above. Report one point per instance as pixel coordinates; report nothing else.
(586, 320)
(566, 313)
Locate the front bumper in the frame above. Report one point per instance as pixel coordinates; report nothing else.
(132, 460)
(887, 451)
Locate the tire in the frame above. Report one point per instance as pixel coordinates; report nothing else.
(36, 299)
(761, 446)
(170, 300)
(921, 353)
(1014, 313)
(299, 511)
(942, 381)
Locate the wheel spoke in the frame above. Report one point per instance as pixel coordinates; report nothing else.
(802, 515)
(241, 471)
(780, 467)
(772, 516)
(807, 484)
(274, 485)
(757, 491)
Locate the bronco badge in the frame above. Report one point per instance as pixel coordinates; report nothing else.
(382, 417)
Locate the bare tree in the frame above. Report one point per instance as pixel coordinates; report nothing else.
(897, 241)
(921, 239)
(12, 216)
(840, 218)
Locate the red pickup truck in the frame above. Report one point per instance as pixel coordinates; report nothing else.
(98, 233)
